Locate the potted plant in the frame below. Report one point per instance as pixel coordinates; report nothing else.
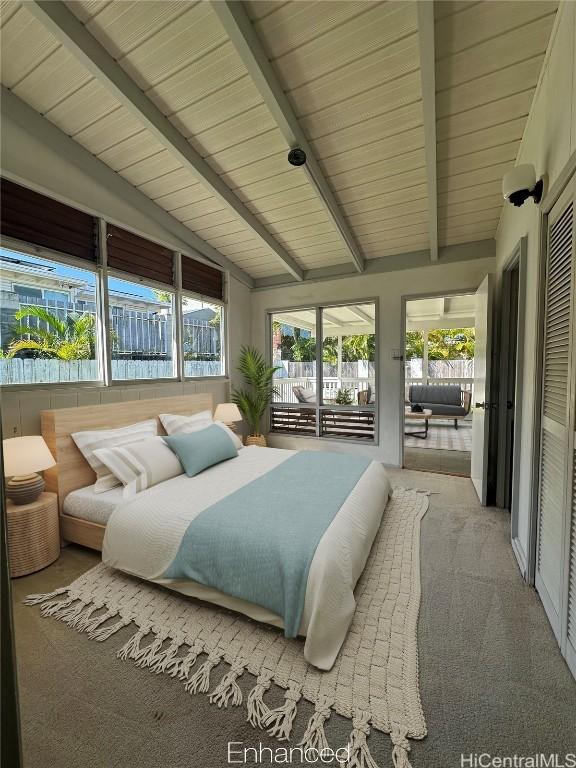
(343, 397)
(254, 397)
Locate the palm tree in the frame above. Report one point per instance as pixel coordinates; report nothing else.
(69, 338)
(259, 389)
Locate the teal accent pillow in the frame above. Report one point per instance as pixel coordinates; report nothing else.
(202, 449)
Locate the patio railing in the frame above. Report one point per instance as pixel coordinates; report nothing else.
(330, 388)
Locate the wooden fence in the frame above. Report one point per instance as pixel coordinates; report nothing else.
(28, 371)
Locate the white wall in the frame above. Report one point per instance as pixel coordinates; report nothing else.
(28, 159)
(548, 142)
(21, 407)
(388, 288)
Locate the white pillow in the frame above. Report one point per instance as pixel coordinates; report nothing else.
(89, 442)
(174, 424)
(179, 425)
(141, 465)
(309, 395)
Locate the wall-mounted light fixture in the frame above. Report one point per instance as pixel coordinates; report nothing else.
(520, 183)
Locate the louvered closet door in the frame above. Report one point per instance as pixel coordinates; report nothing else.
(571, 623)
(557, 415)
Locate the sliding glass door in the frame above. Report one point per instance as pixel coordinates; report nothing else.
(326, 371)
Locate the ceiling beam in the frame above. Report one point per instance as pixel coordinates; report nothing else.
(361, 314)
(241, 32)
(332, 320)
(448, 254)
(62, 23)
(425, 13)
(294, 322)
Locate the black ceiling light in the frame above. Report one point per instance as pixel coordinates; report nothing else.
(297, 156)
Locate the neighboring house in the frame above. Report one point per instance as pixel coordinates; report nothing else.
(141, 326)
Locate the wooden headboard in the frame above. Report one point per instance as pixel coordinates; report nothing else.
(72, 471)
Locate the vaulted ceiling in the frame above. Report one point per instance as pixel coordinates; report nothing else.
(197, 104)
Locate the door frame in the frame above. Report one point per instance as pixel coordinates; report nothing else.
(402, 351)
(550, 199)
(517, 259)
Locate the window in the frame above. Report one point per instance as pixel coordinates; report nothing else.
(27, 291)
(327, 389)
(141, 330)
(60, 297)
(48, 324)
(202, 338)
(439, 356)
(52, 302)
(293, 337)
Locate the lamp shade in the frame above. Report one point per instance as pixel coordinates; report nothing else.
(25, 455)
(227, 413)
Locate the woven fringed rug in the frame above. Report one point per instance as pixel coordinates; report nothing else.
(374, 681)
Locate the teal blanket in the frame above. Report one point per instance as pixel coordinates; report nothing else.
(258, 543)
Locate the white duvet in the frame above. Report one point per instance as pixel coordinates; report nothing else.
(143, 536)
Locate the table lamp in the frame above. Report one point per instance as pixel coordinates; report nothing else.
(24, 457)
(229, 414)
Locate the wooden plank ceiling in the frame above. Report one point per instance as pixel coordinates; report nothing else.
(488, 59)
(351, 71)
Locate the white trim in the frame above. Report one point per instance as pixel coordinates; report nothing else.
(179, 318)
(551, 612)
(518, 259)
(103, 316)
(405, 299)
(103, 306)
(570, 656)
(448, 254)
(319, 406)
(21, 246)
(520, 555)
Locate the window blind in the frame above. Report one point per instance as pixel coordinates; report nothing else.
(34, 218)
(200, 278)
(138, 256)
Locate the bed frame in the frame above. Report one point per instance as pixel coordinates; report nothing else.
(72, 471)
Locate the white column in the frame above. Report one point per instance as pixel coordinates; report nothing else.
(425, 357)
(103, 307)
(339, 368)
(178, 324)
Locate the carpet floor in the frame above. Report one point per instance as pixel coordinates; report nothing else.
(492, 677)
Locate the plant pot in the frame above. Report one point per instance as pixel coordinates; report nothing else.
(259, 440)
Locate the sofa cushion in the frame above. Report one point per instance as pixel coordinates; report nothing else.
(440, 409)
(439, 394)
(304, 395)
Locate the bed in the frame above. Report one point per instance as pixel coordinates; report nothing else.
(141, 536)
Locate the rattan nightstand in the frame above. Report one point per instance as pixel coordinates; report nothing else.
(33, 534)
